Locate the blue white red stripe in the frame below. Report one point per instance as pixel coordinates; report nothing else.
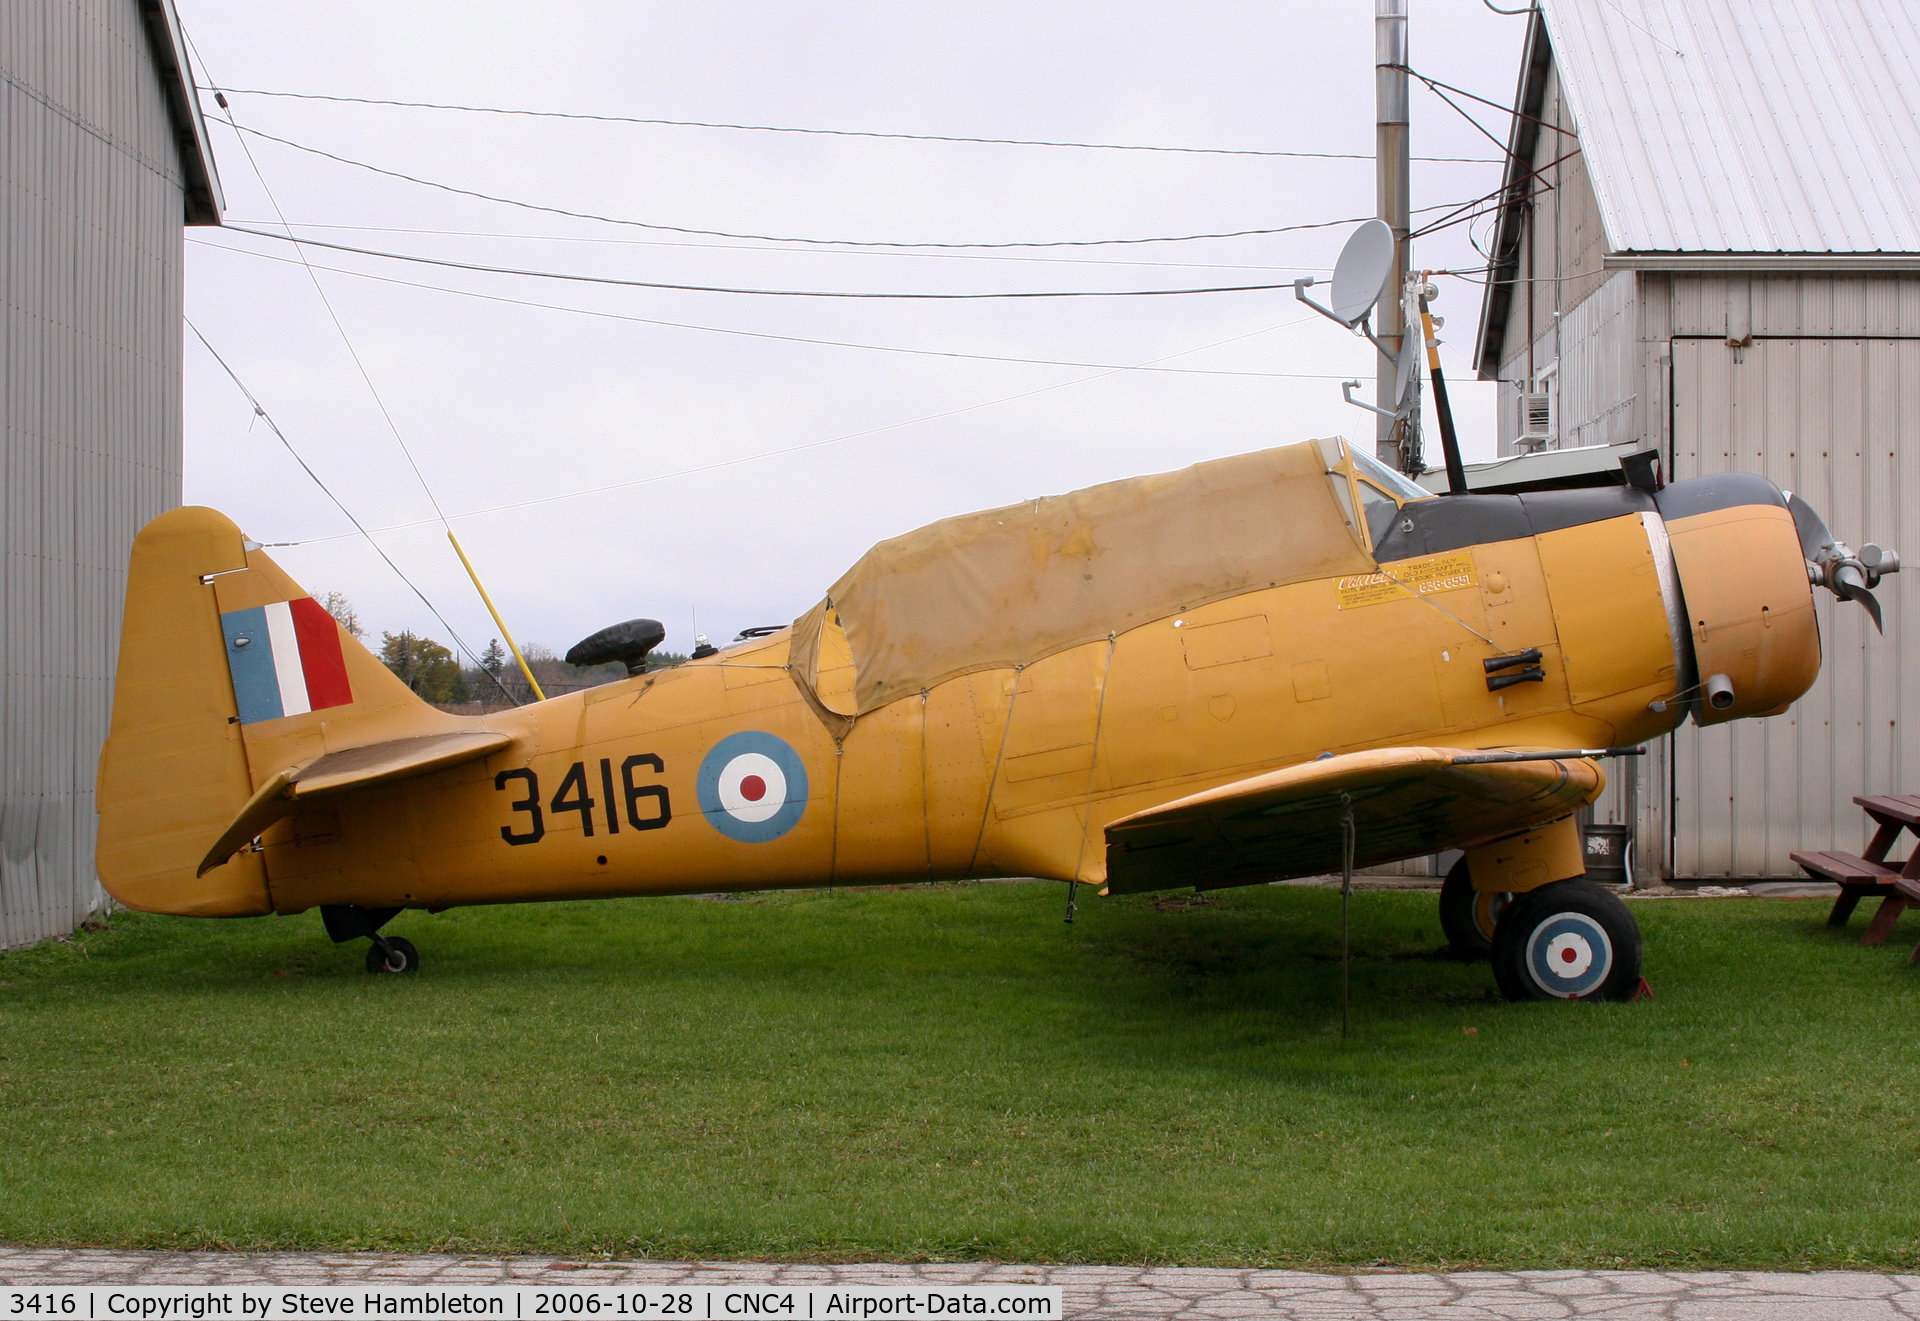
(285, 660)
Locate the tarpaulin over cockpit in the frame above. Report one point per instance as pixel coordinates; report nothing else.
(1009, 586)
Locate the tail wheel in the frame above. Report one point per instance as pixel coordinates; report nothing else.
(397, 956)
(1571, 940)
(1469, 916)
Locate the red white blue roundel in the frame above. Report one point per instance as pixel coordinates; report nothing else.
(752, 787)
(1569, 955)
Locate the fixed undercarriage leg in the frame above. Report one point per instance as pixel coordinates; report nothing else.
(346, 922)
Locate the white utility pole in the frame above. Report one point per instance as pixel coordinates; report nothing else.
(1392, 180)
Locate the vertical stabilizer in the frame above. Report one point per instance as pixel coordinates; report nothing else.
(174, 770)
(229, 675)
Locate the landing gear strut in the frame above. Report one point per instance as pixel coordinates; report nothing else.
(388, 953)
(1469, 916)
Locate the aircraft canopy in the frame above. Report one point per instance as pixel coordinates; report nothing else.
(1009, 586)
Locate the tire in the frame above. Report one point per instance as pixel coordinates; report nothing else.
(399, 951)
(1570, 940)
(1469, 917)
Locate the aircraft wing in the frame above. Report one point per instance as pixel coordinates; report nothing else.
(350, 768)
(1286, 823)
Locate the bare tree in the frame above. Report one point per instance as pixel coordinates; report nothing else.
(337, 605)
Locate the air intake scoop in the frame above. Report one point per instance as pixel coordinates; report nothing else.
(627, 643)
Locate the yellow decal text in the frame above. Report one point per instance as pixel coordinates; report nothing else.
(1435, 573)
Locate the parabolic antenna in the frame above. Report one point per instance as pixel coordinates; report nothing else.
(1361, 271)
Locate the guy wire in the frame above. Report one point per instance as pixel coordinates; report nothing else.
(267, 417)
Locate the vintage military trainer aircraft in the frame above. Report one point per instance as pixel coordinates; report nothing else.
(1189, 679)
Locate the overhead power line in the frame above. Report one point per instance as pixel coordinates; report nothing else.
(770, 335)
(731, 289)
(788, 238)
(907, 254)
(812, 444)
(360, 529)
(831, 132)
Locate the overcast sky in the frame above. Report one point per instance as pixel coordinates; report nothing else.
(598, 466)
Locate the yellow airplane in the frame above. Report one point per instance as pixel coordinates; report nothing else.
(1196, 678)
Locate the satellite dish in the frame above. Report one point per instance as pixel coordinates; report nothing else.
(1361, 271)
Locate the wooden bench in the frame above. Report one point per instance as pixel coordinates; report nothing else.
(1897, 884)
(1910, 891)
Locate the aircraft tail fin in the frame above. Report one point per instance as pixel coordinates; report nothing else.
(229, 673)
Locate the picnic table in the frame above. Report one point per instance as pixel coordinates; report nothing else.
(1898, 884)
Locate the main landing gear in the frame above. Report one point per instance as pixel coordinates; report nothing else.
(346, 922)
(1569, 940)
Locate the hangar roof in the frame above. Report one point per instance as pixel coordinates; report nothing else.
(1720, 138)
(167, 43)
(1791, 126)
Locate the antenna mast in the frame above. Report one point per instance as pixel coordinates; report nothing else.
(1392, 179)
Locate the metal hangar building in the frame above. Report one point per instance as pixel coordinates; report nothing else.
(1709, 245)
(105, 158)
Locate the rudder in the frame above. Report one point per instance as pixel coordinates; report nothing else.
(228, 673)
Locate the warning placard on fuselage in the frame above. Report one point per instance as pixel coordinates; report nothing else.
(1395, 582)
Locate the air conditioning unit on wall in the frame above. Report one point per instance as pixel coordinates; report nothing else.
(1536, 420)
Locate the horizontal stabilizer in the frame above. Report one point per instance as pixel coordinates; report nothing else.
(350, 768)
(1406, 802)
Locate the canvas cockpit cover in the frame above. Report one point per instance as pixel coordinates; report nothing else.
(1009, 586)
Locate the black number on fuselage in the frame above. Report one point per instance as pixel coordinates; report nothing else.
(635, 792)
(530, 805)
(576, 781)
(606, 791)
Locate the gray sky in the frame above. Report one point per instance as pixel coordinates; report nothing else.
(503, 404)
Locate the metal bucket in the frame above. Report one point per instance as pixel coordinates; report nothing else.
(1606, 850)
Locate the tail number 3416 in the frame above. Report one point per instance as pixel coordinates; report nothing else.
(647, 807)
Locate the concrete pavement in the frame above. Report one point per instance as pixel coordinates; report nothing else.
(1175, 1293)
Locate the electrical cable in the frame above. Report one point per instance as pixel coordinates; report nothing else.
(260, 412)
(826, 132)
(367, 377)
(1454, 217)
(780, 238)
(729, 289)
(1506, 152)
(1435, 83)
(325, 301)
(808, 445)
(742, 247)
(770, 335)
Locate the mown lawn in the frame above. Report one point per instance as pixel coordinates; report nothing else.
(949, 1072)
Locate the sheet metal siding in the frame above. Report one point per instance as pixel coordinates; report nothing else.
(1838, 420)
(1791, 126)
(91, 263)
(1597, 383)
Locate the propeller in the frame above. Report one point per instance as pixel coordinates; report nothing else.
(1833, 565)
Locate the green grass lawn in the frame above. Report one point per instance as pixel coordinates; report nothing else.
(950, 1072)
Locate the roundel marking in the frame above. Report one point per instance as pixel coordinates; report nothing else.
(752, 787)
(1569, 955)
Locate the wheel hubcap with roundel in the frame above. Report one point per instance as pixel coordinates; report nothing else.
(1569, 955)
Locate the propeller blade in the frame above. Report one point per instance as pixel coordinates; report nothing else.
(1849, 583)
(1838, 571)
(1814, 537)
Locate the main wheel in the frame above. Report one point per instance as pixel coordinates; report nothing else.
(1570, 940)
(399, 956)
(1469, 916)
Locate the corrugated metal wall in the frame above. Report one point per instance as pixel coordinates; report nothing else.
(1837, 420)
(91, 261)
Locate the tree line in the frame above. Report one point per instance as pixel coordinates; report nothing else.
(433, 672)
